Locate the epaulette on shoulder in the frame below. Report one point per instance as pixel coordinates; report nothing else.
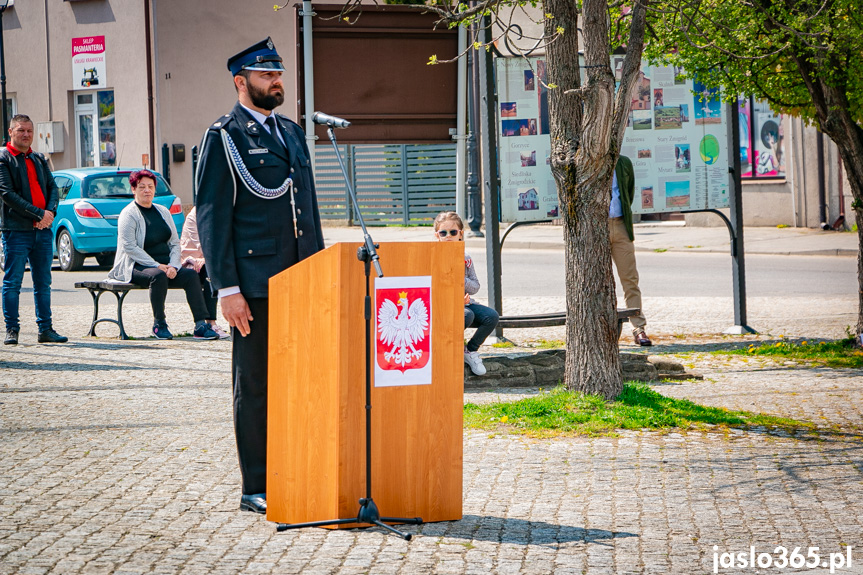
(218, 124)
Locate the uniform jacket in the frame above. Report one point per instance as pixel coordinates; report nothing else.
(18, 212)
(626, 184)
(247, 239)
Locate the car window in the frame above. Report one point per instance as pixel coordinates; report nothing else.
(116, 185)
(64, 184)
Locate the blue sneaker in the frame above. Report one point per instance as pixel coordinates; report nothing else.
(160, 330)
(204, 331)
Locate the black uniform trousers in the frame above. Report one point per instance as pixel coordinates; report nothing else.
(250, 397)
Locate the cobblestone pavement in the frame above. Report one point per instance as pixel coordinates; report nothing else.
(119, 457)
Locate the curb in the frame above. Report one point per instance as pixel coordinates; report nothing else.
(522, 245)
(545, 369)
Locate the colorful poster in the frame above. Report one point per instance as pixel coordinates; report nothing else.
(89, 71)
(525, 147)
(403, 349)
(676, 137)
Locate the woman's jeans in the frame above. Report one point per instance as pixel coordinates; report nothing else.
(19, 247)
(484, 319)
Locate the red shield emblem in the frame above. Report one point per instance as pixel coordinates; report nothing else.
(402, 328)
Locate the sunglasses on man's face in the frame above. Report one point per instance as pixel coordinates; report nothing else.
(443, 233)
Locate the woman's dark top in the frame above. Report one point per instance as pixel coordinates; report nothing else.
(157, 236)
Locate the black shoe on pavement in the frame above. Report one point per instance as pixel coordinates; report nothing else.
(11, 337)
(51, 336)
(160, 330)
(256, 503)
(642, 339)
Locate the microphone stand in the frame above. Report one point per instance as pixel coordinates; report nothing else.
(367, 254)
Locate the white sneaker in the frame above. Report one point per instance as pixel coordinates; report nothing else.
(473, 360)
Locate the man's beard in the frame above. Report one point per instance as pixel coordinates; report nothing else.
(263, 100)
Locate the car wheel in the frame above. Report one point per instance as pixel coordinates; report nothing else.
(105, 259)
(71, 260)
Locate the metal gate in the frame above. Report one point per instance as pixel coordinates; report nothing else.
(407, 184)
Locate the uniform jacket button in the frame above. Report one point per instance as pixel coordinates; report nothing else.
(250, 251)
(262, 161)
(299, 211)
(292, 170)
(300, 232)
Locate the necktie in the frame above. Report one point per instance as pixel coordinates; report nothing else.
(274, 131)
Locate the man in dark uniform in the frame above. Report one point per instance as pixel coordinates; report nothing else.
(257, 216)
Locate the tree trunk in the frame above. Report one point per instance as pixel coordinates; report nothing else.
(582, 166)
(586, 130)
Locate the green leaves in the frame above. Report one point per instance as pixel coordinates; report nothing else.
(769, 50)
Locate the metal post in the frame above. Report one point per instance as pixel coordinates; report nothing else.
(3, 80)
(166, 163)
(460, 136)
(735, 204)
(194, 173)
(308, 78)
(474, 198)
(489, 173)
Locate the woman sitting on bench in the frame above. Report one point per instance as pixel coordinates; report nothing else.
(148, 255)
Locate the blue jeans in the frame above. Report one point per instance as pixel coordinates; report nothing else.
(37, 246)
(484, 319)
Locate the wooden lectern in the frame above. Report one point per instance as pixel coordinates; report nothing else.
(316, 415)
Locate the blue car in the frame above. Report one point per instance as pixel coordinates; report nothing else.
(91, 200)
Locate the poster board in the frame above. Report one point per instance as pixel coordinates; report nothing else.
(676, 137)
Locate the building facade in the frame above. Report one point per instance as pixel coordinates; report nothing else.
(160, 78)
(113, 82)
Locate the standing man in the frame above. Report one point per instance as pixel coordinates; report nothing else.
(257, 216)
(622, 246)
(29, 197)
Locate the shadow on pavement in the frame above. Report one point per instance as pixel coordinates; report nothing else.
(67, 367)
(518, 531)
(112, 426)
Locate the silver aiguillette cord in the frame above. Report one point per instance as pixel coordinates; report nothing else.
(294, 209)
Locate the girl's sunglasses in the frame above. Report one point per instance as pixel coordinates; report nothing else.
(443, 233)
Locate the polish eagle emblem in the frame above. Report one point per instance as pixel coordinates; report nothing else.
(401, 326)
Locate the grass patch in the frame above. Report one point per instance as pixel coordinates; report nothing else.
(501, 344)
(660, 250)
(839, 353)
(550, 344)
(562, 412)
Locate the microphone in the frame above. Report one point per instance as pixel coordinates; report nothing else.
(327, 120)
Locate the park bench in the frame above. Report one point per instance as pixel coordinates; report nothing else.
(120, 290)
(554, 319)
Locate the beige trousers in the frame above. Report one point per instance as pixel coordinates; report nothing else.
(623, 256)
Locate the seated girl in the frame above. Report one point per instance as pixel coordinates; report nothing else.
(448, 227)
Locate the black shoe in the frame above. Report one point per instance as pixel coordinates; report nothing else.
(160, 330)
(256, 502)
(11, 337)
(51, 336)
(642, 339)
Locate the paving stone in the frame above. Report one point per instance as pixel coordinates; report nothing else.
(119, 457)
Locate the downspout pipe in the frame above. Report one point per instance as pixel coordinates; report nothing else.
(150, 110)
(461, 134)
(309, 79)
(822, 189)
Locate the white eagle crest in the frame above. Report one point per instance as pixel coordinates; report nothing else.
(402, 329)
